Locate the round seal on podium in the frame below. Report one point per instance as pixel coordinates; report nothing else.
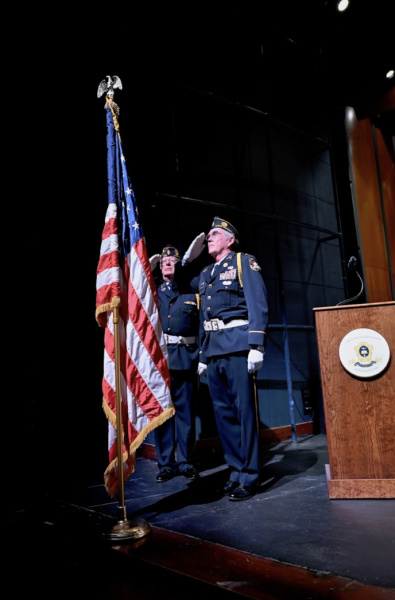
(364, 353)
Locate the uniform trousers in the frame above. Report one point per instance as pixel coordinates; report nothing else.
(232, 393)
(179, 431)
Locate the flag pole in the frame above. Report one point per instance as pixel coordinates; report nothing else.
(136, 528)
(125, 529)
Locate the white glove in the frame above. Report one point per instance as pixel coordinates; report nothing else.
(202, 368)
(255, 359)
(195, 248)
(154, 261)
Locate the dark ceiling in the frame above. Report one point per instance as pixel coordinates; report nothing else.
(241, 51)
(350, 51)
(346, 55)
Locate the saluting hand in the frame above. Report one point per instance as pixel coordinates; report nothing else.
(195, 248)
(155, 258)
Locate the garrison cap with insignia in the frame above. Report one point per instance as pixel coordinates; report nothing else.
(170, 251)
(222, 224)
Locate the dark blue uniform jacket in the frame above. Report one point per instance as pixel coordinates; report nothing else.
(179, 315)
(235, 290)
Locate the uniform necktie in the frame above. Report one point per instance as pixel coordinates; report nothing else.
(213, 269)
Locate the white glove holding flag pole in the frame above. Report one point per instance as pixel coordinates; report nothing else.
(202, 368)
(255, 359)
(194, 249)
(154, 259)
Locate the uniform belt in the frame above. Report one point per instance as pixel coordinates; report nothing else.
(179, 339)
(216, 324)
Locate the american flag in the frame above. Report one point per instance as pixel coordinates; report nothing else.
(124, 279)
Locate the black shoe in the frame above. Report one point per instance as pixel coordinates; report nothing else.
(165, 475)
(243, 492)
(229, 487)
(190, 473)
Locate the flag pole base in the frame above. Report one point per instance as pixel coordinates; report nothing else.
(126, 529)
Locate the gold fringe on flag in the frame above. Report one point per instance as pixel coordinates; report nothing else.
(159, 420)
(116, 301)
(112, 489)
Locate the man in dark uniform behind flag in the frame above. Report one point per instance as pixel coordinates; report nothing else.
(179, 313)
(234, 308)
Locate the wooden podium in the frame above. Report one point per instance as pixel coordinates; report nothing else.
(359, 412)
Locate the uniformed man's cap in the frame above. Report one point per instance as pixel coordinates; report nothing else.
(222, 224)
(170, 251)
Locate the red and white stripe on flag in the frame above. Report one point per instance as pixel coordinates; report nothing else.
(145, 378)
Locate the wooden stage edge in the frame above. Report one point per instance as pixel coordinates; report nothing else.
(266, 436)
(359, 488)
(245, 574)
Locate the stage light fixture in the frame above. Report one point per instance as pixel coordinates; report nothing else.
(390, 74)
(342, 5)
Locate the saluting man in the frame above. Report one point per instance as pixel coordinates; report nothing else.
(179, 314)
(234, 307)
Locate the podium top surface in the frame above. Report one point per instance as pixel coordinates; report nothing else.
(348, 306)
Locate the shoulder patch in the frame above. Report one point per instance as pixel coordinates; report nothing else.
(253, 264)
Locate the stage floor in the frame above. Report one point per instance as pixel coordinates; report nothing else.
(291, 519)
